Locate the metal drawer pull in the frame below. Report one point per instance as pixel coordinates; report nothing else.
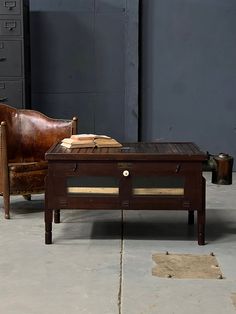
(125, 173)
(3, 59)
(3, 99)
(10, 4)
(10, 25)
(177, 169)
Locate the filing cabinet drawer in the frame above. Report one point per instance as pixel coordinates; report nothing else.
(10, 27)
(14, 53)
(11, 92)
(10, 7)
(10, 58)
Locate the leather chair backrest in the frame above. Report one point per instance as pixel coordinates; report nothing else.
(30, 133)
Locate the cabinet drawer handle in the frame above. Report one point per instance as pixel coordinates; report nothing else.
(10, 4)
(177, 169)
(3, 99)
(125, 173)
(10, 25)
(3, 59)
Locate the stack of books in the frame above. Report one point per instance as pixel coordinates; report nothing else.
(89, 140)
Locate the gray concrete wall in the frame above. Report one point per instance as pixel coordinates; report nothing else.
(189, 72)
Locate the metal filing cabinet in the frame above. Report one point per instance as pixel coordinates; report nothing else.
(14, 53)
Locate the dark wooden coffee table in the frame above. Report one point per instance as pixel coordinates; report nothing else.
(140, 176)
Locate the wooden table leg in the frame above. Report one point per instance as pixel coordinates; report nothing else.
(201, 226)
(57, 218)
(48, 226)
(201, 216)
(190, 217)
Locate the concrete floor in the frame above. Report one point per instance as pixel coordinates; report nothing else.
(99, 265)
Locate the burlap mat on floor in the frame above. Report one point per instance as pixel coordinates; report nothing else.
(186, 266)
(233, 297)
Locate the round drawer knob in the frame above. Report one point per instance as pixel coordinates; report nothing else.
(125, 173)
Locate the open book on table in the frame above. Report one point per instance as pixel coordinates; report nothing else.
(89, 140)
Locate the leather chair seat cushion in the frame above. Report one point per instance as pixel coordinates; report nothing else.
(27, 182)
(28, 166)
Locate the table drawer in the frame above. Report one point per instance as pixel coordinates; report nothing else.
(148, 168)
(83, 168)
(118, 168)
(124, 180)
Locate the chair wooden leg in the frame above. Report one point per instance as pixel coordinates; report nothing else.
(5, 170)
(27, 197)
(190, 217)
(57, 218)
(6, 204)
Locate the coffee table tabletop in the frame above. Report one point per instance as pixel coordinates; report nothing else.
(135, 151)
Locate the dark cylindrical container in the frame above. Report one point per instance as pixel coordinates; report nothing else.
(222, 174)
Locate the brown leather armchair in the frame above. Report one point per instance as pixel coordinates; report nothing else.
(25, 136)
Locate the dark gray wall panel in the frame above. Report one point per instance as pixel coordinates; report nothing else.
(80, 105)
(109, 115)
(189, 72)
(97, 113)
(110, 6)
(63, 52)
(85, 62)
(110, 49)
(131, 113)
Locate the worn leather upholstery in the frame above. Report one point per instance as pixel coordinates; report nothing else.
(25, 136)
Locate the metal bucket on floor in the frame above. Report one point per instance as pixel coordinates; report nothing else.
(222, 171)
